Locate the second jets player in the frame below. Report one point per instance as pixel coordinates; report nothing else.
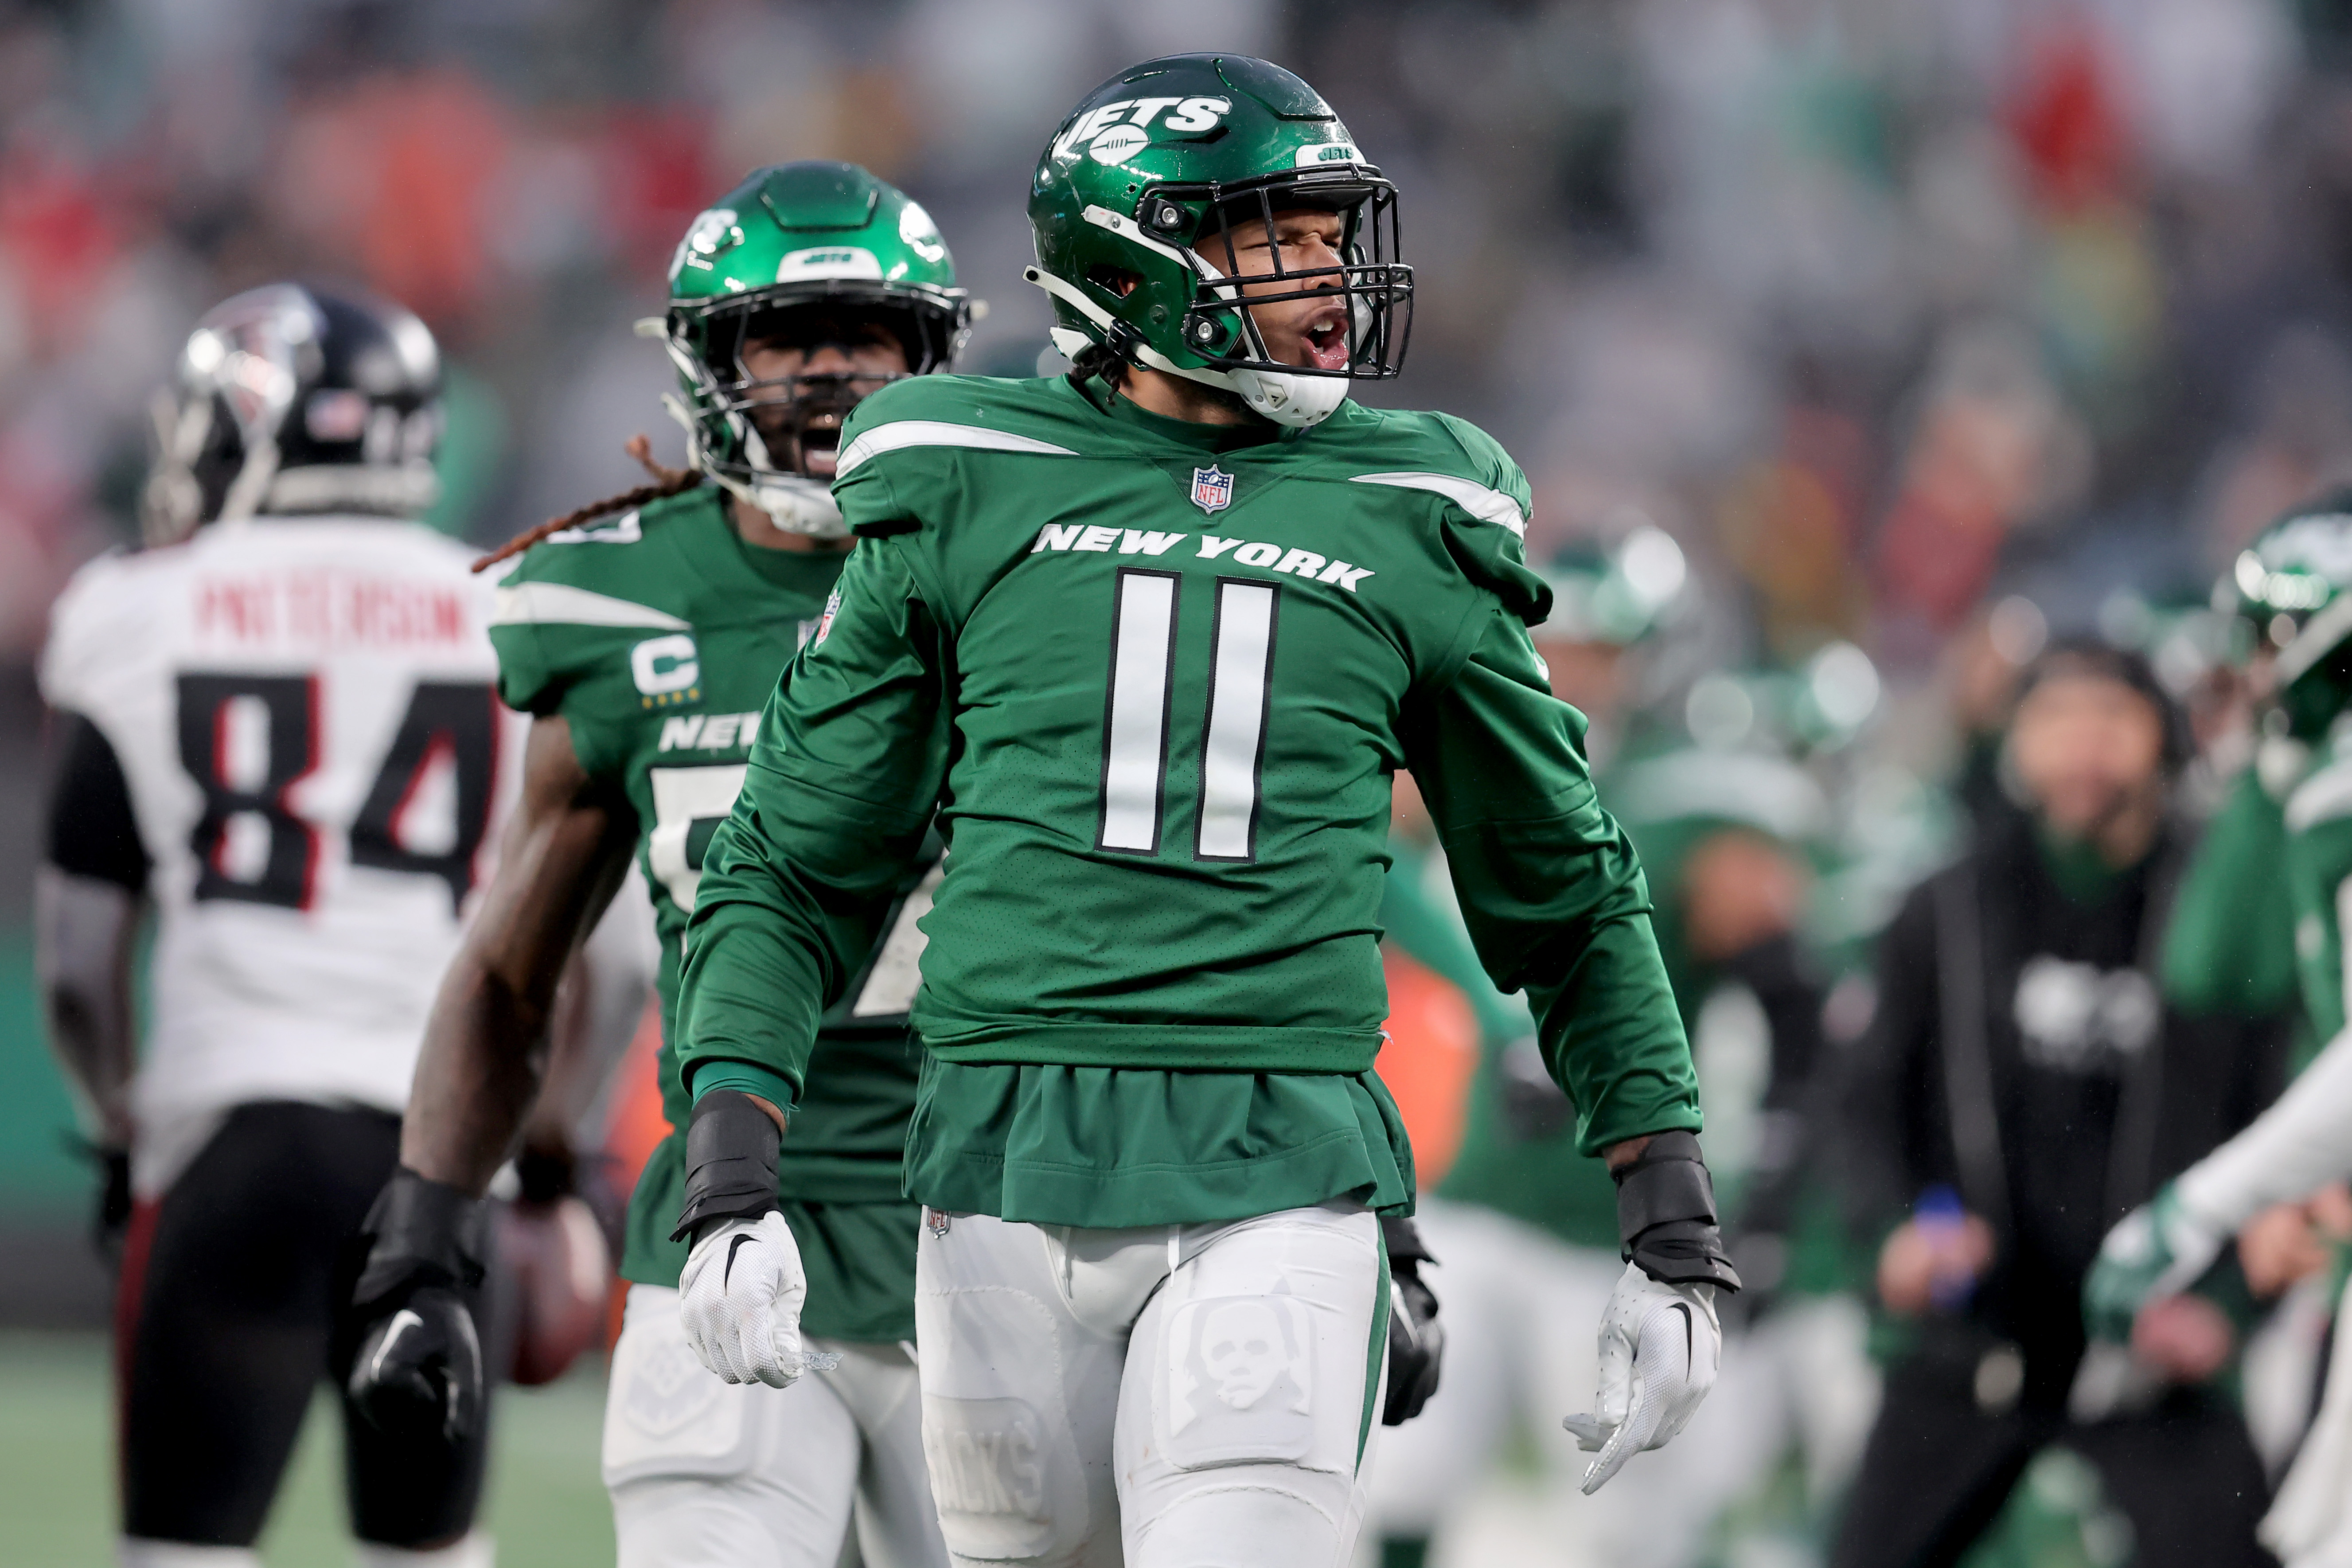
(645, 646)
(1151, 640)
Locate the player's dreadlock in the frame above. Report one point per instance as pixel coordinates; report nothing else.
(668, 482)
(1096, 359)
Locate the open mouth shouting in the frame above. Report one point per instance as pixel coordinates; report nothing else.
(820, 444)
(1325, 338)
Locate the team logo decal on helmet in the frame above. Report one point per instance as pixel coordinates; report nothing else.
(1134, 206)
(1109, 132)
(808, 254)
(291, 399)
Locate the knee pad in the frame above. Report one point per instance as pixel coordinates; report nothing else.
(987, 1460)
(1003, 1461)
(1239, 1387)
(472, 1550)
(137, 1552)
(666, 1414)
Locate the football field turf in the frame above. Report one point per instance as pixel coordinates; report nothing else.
(57, 1469)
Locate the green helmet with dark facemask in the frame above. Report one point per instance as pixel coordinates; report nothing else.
(1134, 203)
(2294, 586)
(804, 255)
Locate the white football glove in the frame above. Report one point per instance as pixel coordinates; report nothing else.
(739, 1301)
(1660, 1348)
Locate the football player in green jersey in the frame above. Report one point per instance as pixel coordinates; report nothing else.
(1150, 640)
(2295, 584)
(644, 646)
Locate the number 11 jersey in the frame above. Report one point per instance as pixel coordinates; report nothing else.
(302, 713)
(1157, 677)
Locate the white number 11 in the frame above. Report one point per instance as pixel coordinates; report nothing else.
(1136, 715)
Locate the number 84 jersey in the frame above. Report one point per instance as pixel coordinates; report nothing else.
(302, 713)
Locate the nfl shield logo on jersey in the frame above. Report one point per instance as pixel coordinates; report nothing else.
(1213, 488)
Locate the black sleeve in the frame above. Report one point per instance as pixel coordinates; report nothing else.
(92, 831)
(1890, 1107)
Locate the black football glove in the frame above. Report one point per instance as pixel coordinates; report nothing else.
(1416, 1338)
(419, 1372)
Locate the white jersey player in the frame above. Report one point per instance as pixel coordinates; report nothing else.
(279, 730)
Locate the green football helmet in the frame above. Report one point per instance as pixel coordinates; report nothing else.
(1617, 595)
(2291, 585)
(809, 254)
(1134, 204)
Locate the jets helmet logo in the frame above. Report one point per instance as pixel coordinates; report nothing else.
(713, 232)
(1213, 488)
(1112, 131)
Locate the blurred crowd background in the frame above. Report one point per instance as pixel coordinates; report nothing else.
(1924, 330)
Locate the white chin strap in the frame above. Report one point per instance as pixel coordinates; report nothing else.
(1296, 401)
(794, 504)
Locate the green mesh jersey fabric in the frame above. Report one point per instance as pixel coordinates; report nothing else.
(2230, 948)
(2318, 860)
(1156, 678)
(658, 636)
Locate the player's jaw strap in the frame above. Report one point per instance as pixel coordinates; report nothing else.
(731, 1161)
(1665, 1215)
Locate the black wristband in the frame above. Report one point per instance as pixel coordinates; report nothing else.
(1665, 1215)
(421, 1233)
(544, 1176)
(731, 1161)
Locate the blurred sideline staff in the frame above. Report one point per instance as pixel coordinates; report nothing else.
(2023, 1083)
(278, 729)
(2278, 1184)
(644, 634)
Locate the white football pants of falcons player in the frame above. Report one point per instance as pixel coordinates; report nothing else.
(703, 1472)
(1168, 1397)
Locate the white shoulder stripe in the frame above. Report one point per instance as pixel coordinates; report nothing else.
(1485, 505)
(2325, 795)
(901, 433)
(561, 604)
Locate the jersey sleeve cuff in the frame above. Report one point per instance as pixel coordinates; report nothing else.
(745, 1077)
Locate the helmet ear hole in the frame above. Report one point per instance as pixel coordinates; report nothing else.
(1115, 281)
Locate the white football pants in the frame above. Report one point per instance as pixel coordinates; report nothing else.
(1522, 1316)
(706, 1474)
(1170, 1396)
